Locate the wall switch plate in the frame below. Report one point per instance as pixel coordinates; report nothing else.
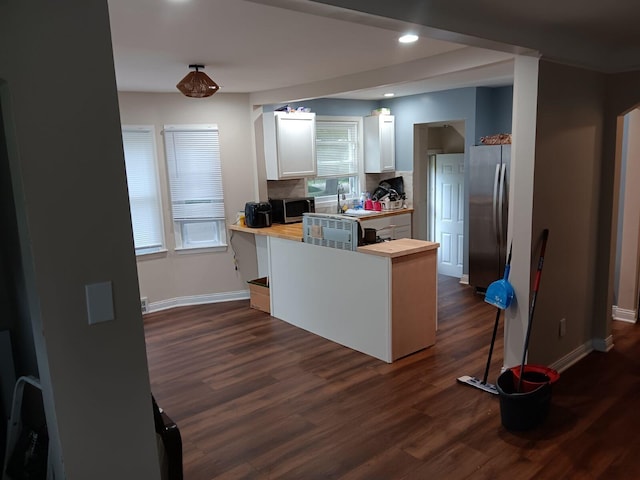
(99, 302)
(562, 329)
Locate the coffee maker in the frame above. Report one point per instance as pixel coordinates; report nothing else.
(257, 214)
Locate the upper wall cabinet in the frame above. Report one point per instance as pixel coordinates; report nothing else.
(379, 144)
(289, 145)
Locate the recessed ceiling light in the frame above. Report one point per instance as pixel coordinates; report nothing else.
(389, 94)
(408, 38)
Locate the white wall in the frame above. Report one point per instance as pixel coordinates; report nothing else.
(173, 278)
(60, 110)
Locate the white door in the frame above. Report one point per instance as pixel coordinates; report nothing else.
(449, 212)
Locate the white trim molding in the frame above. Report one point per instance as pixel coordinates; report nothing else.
(198, 300)
(464, 279)
(602, 344)
(624, 315)
(573, 357)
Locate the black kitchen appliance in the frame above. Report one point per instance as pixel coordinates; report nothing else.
(257, 214)
(290, 210)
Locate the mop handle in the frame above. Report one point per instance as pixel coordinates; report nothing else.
(507, 267)
(545, 235)
(536, 285)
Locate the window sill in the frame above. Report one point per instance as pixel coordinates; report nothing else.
(151, 255)
(334, 200)
(184, 251)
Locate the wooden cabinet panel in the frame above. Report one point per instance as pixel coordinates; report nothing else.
(414, 294)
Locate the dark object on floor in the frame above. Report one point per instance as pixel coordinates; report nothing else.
(522, 411)
(29, 458)
(172, 442)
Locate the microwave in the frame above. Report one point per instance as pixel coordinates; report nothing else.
(290, 210)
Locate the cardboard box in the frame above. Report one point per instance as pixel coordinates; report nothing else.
(259, 294)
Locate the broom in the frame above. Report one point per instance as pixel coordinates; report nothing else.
(500, 294)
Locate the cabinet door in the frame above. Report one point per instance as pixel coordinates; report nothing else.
(387, 144)
(379, 144)
(401, 225)
(296, 145)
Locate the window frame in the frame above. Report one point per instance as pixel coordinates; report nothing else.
(151, 129)
(331, 200)
(179, 225)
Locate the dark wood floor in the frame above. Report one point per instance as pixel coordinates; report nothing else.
(256, 398)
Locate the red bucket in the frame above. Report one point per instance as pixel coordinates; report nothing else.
(534, 376)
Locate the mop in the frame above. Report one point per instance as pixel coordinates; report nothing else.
(536, 286)
(499, 294)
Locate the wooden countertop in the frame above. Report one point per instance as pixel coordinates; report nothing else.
(293, 231)
(399, 248)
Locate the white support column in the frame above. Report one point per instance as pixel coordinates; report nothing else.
(525, 96)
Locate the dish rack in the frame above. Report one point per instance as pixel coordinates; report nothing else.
(391, 204)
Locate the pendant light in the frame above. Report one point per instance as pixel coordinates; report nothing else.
(197, 84)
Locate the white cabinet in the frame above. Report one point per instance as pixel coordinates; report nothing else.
(379, 144)
(289, 145)
(393, 226)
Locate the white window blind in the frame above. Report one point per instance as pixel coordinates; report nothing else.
(338, 158)
(336, 148)
(195, 181)
(142, 179)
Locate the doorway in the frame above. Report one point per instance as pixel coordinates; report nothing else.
(447, 211)
(627, 271)
(443, 149)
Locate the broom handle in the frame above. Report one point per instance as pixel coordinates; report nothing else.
(536, 285)
(495, 325)
(493, 341)
(507, 267)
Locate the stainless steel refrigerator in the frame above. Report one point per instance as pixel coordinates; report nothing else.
(488, 208)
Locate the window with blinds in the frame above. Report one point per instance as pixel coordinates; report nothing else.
(195, 182)
(144, 195)
(338, 153)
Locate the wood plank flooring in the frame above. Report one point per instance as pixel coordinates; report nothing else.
(256, 398)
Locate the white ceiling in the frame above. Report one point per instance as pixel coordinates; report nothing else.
(280, 50)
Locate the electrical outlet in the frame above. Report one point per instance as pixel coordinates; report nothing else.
(562, 328)
(144, 304)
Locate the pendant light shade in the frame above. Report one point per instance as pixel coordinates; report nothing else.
(197, 84)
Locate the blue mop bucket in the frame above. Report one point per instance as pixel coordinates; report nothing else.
(500, 293)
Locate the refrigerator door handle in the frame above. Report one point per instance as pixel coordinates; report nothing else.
(501, 203)
(496, 180)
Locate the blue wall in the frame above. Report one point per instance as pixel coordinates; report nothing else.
(446, 106)
(494, 111)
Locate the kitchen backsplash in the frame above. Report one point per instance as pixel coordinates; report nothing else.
(286, 188)
(296, 188)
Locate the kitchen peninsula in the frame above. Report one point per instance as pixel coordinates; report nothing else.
(380, 300)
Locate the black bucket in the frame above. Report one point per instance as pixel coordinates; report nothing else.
(522, 411)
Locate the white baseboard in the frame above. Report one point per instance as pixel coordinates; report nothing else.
(602, 344)
(624, 315)
(597, 344)
(198, 300)
(464, 279)
(573, 357)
